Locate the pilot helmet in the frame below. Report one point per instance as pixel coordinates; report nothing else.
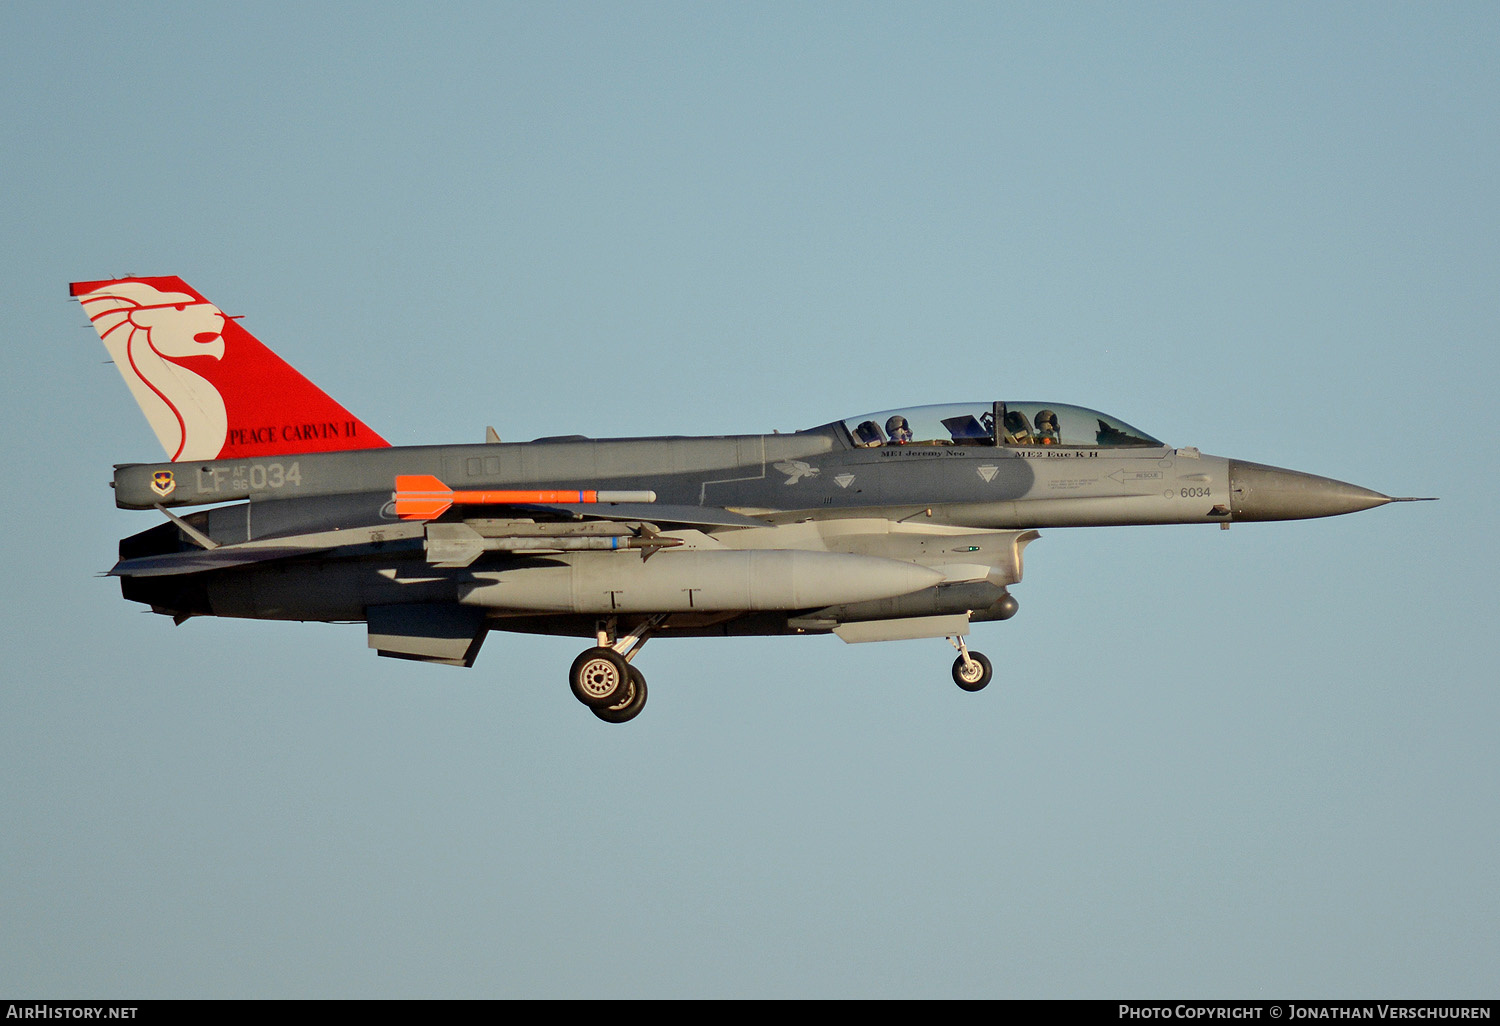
(896, 423)
(1046, 420)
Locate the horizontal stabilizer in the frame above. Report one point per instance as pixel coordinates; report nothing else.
(442, 633)
(197, 561)
(424, 497)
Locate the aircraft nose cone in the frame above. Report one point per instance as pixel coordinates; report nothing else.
(1258, 492)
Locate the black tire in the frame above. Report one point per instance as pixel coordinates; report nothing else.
(965, 676)
(599, 677)
(630, 706)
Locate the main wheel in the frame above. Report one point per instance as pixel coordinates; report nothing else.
(631, 705)
(974, 674)
(600, 676)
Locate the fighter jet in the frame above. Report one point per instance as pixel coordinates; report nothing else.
(907, 523)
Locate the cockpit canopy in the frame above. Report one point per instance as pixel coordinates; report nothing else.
(976, 424)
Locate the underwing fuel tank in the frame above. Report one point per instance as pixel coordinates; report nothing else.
(679, 582)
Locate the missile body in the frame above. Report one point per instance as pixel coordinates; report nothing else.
(424, 497)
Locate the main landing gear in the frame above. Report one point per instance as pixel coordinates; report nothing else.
(971, 670)
(603, 679)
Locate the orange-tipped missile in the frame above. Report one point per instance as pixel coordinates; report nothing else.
(424, 497)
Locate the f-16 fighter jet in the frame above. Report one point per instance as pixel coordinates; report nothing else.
(907, 523)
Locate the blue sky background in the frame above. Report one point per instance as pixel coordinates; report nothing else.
(1254, 763)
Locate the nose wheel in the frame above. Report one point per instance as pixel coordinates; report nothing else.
(971, 670)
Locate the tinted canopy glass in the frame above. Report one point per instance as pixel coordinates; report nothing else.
(1021, 423)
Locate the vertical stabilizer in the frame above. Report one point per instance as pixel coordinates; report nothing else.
(209, 389)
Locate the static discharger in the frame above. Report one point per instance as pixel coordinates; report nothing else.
(424, 497)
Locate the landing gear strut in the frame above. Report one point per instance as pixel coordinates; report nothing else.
(971, 670)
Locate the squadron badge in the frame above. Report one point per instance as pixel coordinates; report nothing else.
(162, 483)
(796, 470)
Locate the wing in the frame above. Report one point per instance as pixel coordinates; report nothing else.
(527, 528)
(323, 544)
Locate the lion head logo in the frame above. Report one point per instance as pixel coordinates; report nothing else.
(148, 331)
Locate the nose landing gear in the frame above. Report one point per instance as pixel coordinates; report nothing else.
(971, 670)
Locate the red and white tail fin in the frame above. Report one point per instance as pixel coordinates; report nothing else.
(209, 388)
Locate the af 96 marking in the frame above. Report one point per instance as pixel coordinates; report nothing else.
(253, 477)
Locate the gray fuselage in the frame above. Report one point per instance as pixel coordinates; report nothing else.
(866, 533)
